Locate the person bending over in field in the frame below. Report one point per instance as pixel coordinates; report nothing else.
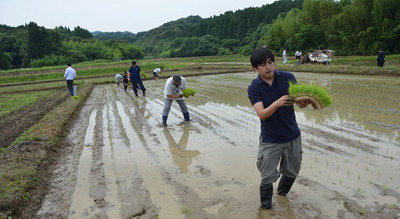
(125, 80)
(280, 140)
(173, 91)
(119, 79)
(156, 72)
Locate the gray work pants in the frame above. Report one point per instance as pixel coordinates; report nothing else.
(168, 103)
(288, 155)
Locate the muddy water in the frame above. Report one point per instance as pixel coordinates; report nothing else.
(124, 164)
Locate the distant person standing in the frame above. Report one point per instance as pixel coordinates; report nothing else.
(381, 58)
(296, 55)
(284, 55)
(156, 72)
(173, 91)
(135, 79)
(69, 75)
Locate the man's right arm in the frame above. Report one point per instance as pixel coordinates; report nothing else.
(265, 113)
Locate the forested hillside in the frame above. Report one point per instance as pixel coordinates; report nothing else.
(120, 36)
(228, 33)
(349, 27)
(31, 45)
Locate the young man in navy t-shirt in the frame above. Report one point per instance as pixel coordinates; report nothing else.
(280, 141)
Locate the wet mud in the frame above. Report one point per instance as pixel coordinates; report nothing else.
(120, 162)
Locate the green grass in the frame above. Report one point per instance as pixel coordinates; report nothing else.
(13, 102)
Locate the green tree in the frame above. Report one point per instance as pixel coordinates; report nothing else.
(38, 39)
(82, 33)
(5, 61)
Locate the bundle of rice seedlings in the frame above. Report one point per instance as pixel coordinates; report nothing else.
(75, 97)
(318, 96)
(188, 92)
(144, 75)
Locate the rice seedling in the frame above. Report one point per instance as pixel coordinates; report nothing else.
(186, 210)
(317, 95)
(361, 211)
(144, 75)
(188, 92)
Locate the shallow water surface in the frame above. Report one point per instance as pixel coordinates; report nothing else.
(207, 168)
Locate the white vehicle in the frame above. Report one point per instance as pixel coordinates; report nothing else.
(321, 57)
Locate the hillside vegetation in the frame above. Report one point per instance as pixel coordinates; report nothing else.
(349, 27)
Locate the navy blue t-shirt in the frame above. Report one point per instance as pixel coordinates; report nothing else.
(135, 72)
(280, 127)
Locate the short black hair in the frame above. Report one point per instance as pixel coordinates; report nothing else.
(260, 56)
(133, 62)
(176, 78)
(69, 64)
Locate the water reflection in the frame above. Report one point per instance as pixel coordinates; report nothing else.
(180, 155)
(371, 103)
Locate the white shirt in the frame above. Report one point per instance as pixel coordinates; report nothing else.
(70, 73)
(284, 54)
(157, 70)
(171, 89)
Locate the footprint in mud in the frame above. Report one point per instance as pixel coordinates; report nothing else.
(204, 171)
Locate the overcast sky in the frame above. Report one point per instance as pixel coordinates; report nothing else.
(114, 15)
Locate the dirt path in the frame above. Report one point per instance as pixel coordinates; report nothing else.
(122, 163)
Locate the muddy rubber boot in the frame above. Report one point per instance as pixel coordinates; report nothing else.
(285, 185)
(164, 120)
(186, 116)
(266, 192)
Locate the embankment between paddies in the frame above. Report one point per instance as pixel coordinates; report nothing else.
(26, 161)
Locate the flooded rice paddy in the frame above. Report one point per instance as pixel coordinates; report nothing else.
(123, 164)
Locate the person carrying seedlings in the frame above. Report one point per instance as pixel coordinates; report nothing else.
(156, 72)
(119, 79)
(173, 91)
(280, 140)
(69, 76)
(135, 79)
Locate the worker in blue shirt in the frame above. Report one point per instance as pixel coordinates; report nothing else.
(280, 140)
(135, 79)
